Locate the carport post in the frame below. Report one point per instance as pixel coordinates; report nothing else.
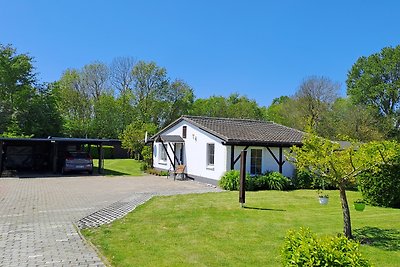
(1, 157)
(55, 156)
(100, 170)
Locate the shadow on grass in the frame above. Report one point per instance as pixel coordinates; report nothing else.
(386, 239)
(256, 208)
(109, 172)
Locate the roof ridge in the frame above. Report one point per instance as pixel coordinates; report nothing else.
(225, 118)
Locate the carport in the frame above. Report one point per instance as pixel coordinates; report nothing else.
(44, 154)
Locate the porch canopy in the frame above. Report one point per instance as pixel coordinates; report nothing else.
(170, 139)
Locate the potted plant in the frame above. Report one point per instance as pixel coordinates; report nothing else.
(359, 204)
(323, 198)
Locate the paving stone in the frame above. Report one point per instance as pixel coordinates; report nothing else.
(37, 215)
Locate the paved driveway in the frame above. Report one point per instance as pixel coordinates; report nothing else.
(37, 215)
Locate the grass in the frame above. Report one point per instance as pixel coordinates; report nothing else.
(212, 230)
(113, 167)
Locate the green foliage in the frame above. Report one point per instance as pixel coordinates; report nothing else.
(374, 81)
(354, 121)
(133, 137)
(234, 106)
(107, 150)
(27, 109)
(338, 166)
(267, 181)
(272, 181)
(303, 180)
(230, 180)
(381, 187)
(303, 248)
(157, 172)
(144, 166)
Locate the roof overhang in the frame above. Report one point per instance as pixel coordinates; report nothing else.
(169, 139)
(20, 141)
(261, 143)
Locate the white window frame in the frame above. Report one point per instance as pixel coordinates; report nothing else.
(163, 155)
(208, 155)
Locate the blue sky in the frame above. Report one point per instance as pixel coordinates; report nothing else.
(262, 49)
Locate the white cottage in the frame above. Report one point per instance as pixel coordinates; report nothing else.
(208, 147)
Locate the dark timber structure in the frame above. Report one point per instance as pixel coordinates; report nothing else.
(44, 154)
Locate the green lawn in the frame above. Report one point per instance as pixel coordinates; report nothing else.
(120, 167)
(212, 230)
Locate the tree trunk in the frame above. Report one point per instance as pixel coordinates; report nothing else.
(346, 212)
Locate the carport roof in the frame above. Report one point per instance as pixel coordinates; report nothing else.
(56, 139)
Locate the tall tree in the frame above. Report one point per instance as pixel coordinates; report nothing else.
(375, 81)
(42, 118)
(107, 121)
(150, 90)
(121, 74)
(315, 96)
(74, 103)
(348, 120)
(234, 106)
(94, 79)
(178, 102)
(340, 166)
(17, 79)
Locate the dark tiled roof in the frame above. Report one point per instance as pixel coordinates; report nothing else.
(245, 131)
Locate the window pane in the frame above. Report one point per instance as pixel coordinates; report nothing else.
(210, 154)
(184, 131)
(256, 161)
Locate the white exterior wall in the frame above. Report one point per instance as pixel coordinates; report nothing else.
(195, 152)
(268, 162)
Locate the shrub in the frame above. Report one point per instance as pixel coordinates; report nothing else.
(382, 187)
(272, 181)
(144, 166)
(276, 181)
(230, 180)
(303, 248)
(267, 181)
(303, 180)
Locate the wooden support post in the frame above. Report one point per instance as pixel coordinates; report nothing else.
(242, 189)
(101, 156)
(232, 157)
(280, 160)
(55, 156)
(1, 158)
(238, 157)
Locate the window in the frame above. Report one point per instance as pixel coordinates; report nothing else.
(255, 161)
(184, 131)
(163, 153)
(210, 154)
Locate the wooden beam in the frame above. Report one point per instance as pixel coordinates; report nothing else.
(242, 189)
(1, 158)
(101, 159)
(238, 157)
(166, 151)
(55, 156)
(279, 161)
(232, 157)
(272, 154)
(173, 148)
